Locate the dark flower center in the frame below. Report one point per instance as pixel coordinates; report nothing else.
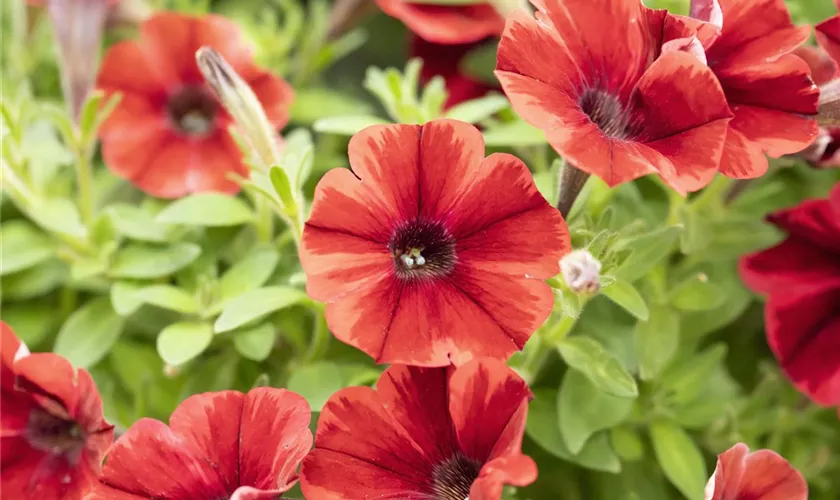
(422, 249)
(56, 435)
(192, 110)
(453, 478)
(606, 111)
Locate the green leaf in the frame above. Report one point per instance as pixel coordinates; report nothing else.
(181, 342)
(138, 261)
(316, 382)
(297, 158)
(518, 133)
(656, 341)
(59, 215)
(584, 409)
(680, 458)
(135, 364)
(283, 187)
(475, 110)
(697, 234)
(206, 209)
(697, 294)
(124, 297)
(542, 428)
(346, 125)
(168, 297)
(22, 246)
(687, 379)
(647, 251)
(254, 342)
(34, 281)
(249, 273)
(31, 321)
(627, 443)
(255, 304)
(627, 297)
(88, 334)
(602, 368)
(312, 104)
(135, 223)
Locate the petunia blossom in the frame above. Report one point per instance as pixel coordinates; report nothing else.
(427, 252)
(169, 134)
(217, 445)
(760, 475)
(769, 90)
(823, 152)
(53, 435)
(594, 76)
(423, 434)
(801, 278)
(445, 61)
(446, 24)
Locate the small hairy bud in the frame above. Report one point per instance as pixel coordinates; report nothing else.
(581, 271)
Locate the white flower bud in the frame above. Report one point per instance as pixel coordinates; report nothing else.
(581, 271)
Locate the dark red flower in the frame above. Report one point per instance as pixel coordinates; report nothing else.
(801, 278)
(169, 134)
(828, 36)
(595, 78)
(428, 253)
(217, 445)
(761, 475)
(424, 433)
(446, 24)
(445, 60)
(769, 90)
(52, 432)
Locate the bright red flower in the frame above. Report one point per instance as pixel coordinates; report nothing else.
(446, 24)
(769, 90)
(428, 253)
(761, 475)
(801, 277)
(217, 445)
(595, 78)
(169, 134)
(445, 60)
(52, 432)
(423, 433)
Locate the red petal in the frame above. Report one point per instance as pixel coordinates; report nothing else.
(165, 176)
(741, 158)
(446, 24)
(813, 221)
(484, 397)
(328, 475)
(768, 476)
(275, 95)
(726, 480)
(828, 36)
(129, 150)
(516, 470)
(11, 349)
(792, 263)
(212, 161)
(822, 66)
(131, 68)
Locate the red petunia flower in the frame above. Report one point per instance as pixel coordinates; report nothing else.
(169, 135)
(428, 253)
(217, 445)
(52, 432)
(769, 90)
(423, 433)
(595, 78)
(444, 60)
(761, 475)
(823, 152)
(801, 277)
(446, 24)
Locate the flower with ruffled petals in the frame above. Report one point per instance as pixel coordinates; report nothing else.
(760, 475)
(445, 60)
(217, 445)
(447, 24)
(594, 76)
(801, 278)
(169, 135)
(424, 433)
(429, 253)
(52, 432)
(769, 90)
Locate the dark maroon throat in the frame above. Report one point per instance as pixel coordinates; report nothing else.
(192, 110)
(55, 435)
(453, 478)
(422, 249)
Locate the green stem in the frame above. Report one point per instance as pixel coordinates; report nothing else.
(84, 179)
(537, 354)
(320, 335)
(265, 220)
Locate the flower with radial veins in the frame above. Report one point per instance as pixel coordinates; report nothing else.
(423, 434)
(446, 24)
(769, 90)
(52, 432)
(761, 475)
(445, 60)
(169, 134)
(615, 103)
(429, 253)
(801, 277)
(225, 445)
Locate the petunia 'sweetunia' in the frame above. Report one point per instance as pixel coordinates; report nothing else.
(595, 78)
(423, 434)
(760, 475)
(52, 431)
(225, 445)
(446, 24)
(801, 277)
(427, 252)
(769, 90)
(169, 134)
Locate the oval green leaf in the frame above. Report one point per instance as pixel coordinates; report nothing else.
(584, 409)
(22, 246)
(601, 367)
(89, 333)
(680, 458)
(138, 261)
(206, 209)
(628, 298)
(181, 342)
(656, 341)
(254, 342)
(255, 304)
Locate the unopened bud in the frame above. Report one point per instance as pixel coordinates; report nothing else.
(242, 104)
(581, 271)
